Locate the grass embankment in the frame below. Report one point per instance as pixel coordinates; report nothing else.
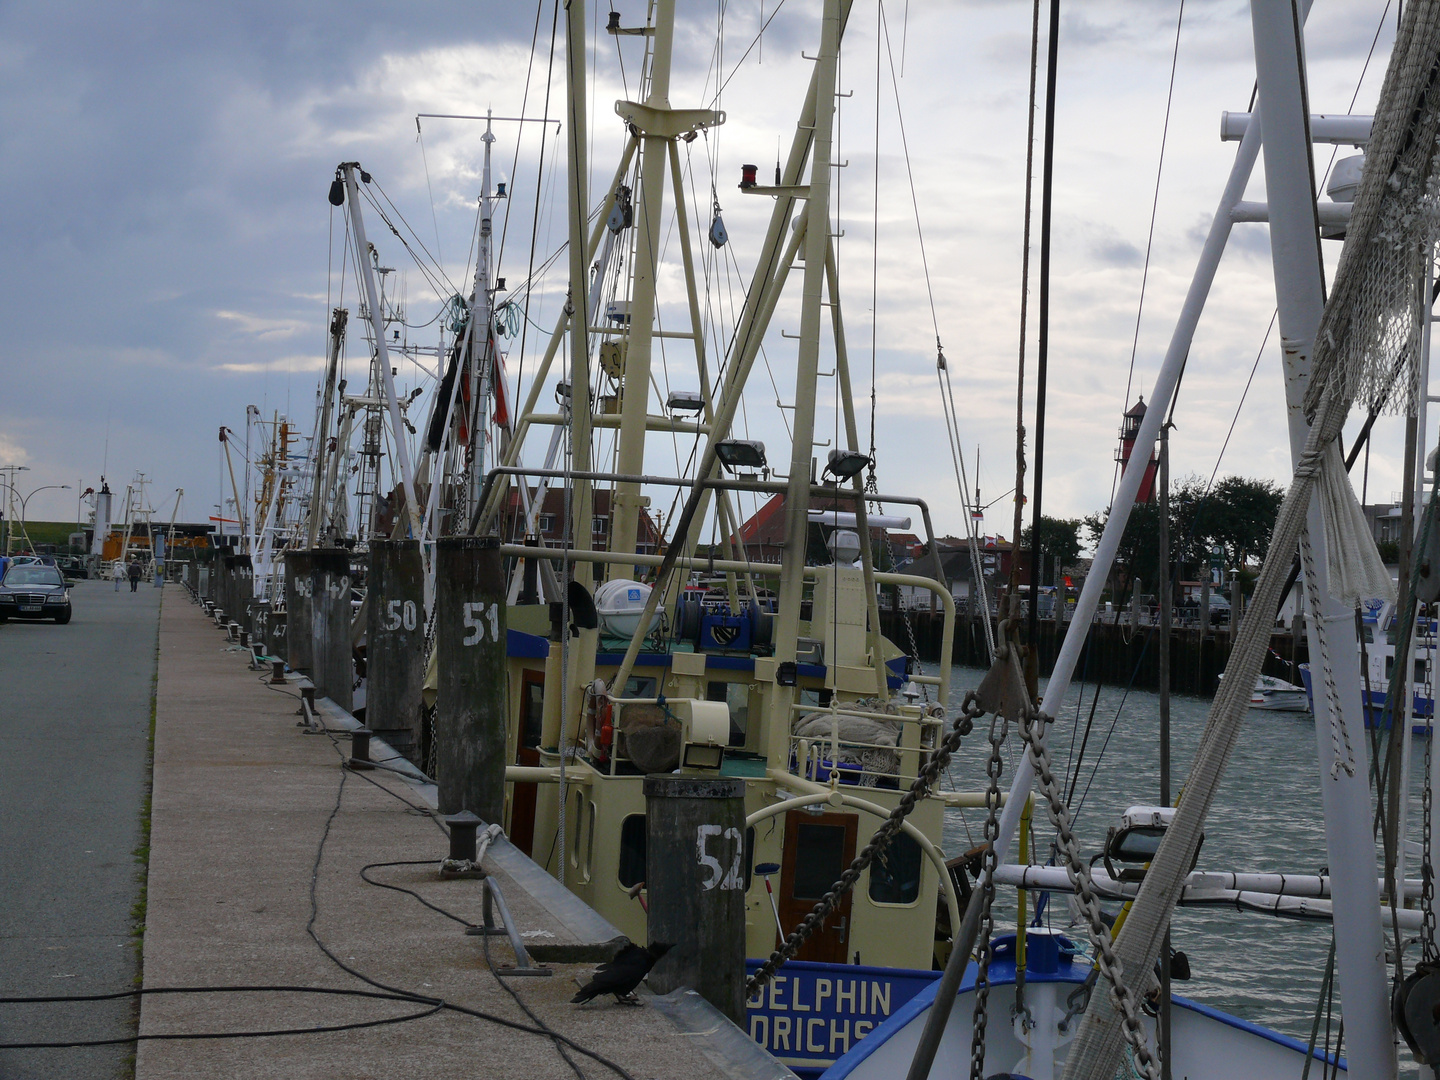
(47, 532)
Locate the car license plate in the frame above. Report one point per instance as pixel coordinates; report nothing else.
(29, 607)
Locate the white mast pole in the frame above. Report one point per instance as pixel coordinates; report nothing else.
(482, 360)
(1299, 291)
(382, 354)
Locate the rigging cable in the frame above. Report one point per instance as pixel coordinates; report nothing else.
(1024, 297)
(535, 219)
(1042, 345)
(1154, 208)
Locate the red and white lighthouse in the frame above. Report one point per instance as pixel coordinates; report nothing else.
(1128, 430)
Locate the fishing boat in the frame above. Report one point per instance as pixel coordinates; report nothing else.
(635, 651)
(632, 651)
(1376, 660)
(1332, 347)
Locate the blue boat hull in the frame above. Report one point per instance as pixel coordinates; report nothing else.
(1422, 708)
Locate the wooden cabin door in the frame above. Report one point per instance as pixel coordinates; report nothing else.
(818, 848)
(527, 752)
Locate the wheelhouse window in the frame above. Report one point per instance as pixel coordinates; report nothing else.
(632, 850)
(895, 873)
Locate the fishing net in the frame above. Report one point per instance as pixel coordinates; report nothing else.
(1369, 337)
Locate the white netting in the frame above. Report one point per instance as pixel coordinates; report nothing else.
(1356, 570)
(1371, 325)
(1368, 348)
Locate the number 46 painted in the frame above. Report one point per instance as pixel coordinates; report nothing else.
(476, 615)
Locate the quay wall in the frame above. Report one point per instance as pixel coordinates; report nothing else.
(1113, 653)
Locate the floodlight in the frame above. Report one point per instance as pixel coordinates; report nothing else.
(844, 464)
(685, 401)
(741, 453)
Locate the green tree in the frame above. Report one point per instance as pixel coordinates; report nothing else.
(1058, 537)
(1237, 513)
(1240, 516)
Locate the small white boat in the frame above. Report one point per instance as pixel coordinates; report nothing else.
(1277, 695)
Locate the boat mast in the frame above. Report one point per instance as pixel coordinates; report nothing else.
(581, 659)
(480, 337)
(319, 494)
(366, 271)
(655, 142)
(817, 243)
(1300, 298)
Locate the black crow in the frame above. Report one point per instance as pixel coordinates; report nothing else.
(623, 974)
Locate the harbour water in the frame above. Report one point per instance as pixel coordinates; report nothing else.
(1266, 817)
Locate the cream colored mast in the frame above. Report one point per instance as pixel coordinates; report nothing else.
(817, 242)
(577, 178)
(655, 122)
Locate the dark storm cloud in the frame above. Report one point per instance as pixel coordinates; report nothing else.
(160, 163)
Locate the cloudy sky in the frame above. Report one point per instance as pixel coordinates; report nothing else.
(168, 254)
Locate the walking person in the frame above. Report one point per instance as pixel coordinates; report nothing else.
(134, 574)
(117, 572)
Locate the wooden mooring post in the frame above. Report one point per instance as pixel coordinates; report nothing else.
(470, 641)
(695, 878)
(395, 643)
(333, 657)
(299, 612)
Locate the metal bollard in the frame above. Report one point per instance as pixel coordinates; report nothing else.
(463, 827)
(333, 658)
(360, 749)
(470, 705)
(277, 673)
(695, 877)
(395, 643)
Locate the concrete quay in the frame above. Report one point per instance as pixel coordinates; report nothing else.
(259, 832)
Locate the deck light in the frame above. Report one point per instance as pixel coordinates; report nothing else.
(741, 453)
(685, 401)
(844, 464)
(1138, 837)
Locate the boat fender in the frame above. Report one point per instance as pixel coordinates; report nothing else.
(607, 726)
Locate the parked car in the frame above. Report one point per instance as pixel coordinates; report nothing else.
(34, 591)
(72, 567)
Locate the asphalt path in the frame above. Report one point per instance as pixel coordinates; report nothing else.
(74, 769)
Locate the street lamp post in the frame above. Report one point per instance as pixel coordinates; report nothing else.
(10, 498)
(26, 499)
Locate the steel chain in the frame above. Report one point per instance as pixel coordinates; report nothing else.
(1032, 727)
(1427, 868)
(427, 712)
(914, 646)
(999, 729)
(964, 724)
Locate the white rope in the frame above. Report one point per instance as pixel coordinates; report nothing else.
(1339, 735)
